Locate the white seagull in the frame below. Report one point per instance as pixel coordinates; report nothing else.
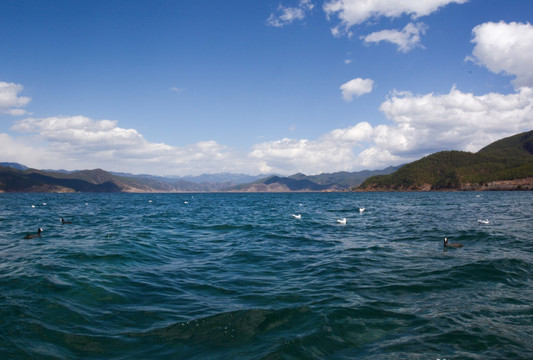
(342, 222)
(299, 216)
(361, 210)
(484, 221)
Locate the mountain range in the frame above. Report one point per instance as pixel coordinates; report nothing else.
(16, 177)
(506, 164)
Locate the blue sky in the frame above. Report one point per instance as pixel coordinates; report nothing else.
(192, 87)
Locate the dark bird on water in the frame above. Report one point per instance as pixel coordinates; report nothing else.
(65, 222)
(454, 245)
(31, 236)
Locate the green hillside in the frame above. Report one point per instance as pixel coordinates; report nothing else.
(506, 159)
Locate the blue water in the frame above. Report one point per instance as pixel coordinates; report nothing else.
(235, 276)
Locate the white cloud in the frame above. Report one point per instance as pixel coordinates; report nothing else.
(10, 101)
(286, 14)
(422, 124)
(353, 12)
(461, 121)
(406, 39)
(331, 152)
(77, 141)
(419, 125)
(356, 87)
(506, 47)
(24, 151)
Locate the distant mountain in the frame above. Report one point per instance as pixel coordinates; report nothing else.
(23, 179)
(338, 181)
(506, 164)
(343, 180)
(13, 165)
(224, 178)
(31, 180)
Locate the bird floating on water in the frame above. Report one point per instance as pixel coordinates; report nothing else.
(31, 236)
(361, 210)
(484, 221)
(298, 216)
(65, 222)
(342, 222)
(454, 245)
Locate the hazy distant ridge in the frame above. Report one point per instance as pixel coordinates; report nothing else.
(19, 178)
(506, 164)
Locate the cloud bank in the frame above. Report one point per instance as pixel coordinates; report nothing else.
(422, 124)
(419, 125)
(75, 140)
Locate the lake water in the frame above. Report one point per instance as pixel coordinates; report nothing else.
(236, 276)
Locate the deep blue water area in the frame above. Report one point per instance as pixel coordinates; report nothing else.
(236, 276)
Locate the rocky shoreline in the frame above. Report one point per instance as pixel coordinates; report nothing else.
(501, 185)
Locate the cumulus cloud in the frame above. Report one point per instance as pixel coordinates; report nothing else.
(353, 12)
(406, 39)
(331, 152)
(286, 14)
(356, 87)
(10, 101)
(74, 140)
(505, 48)
(462, 121)
(421, 124)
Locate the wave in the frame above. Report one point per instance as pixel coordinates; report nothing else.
(228, 328)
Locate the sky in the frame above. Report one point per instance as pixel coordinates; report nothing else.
(259, 87)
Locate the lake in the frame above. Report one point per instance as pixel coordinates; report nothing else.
(237, 276)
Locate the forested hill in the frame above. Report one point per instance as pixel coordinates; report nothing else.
(506, 164)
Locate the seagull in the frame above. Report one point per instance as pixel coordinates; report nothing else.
(361, 210)
(299, 216)
(342, 222)
(485, 221)
(31, 236)
(454, 245)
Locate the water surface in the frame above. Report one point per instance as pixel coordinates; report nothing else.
(225, 276)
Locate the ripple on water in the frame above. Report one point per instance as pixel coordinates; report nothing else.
(236, 276)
